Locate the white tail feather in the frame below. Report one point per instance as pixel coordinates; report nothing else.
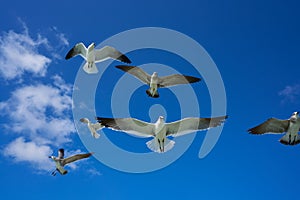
(154, 146)
(90, 70)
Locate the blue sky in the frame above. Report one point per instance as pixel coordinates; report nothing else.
(255, 46)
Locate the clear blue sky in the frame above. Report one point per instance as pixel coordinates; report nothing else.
(255, 46)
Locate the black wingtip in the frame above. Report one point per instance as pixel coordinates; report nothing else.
(192, 79)
(124, 59)
(69, 54)
(125, 68)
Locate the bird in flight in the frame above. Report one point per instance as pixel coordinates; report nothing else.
(60, 161)
(93, 127)
(277, 126)
(155, 82)
(160, 130)
(93, 56)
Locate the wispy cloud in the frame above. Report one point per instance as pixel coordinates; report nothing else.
(94, 172)
(290, 93)
(19, 53)
(38, 114)
(20, 150)
(42, 112)
(40, 118)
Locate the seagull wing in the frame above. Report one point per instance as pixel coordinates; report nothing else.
(137, 72)
(189, 125)
(272, 125)
(176, 79)
(110, 52)
(78, 49)
(75, 157)
(61, 153)
(129, 125)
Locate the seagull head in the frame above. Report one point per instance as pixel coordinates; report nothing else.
(295, 116)
(85, 120)
(161, 118)
(155, 74)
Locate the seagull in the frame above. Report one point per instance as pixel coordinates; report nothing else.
(60, 161)
(156, 82)
(277, 126)
(92, 56)
(160, 130)
(92, 127)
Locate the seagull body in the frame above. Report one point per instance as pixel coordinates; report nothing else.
(289, 126)
(160, 130)
(156, 82)
(60, 161)
(93, 56)
(93, 127)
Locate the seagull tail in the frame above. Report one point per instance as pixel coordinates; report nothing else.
(155, 95)
(61, 170)
(154, 146)
(290, 140)
(90, 69)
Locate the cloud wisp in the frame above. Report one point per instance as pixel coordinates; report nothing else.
(19, 54)
(290, 93)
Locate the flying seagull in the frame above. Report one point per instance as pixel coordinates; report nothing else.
(92, 56)
(156, 82)
(60, 161)
(160, 130)
(93, 127)
(277, 126)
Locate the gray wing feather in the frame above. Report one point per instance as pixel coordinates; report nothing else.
(110, 52)
(176, 79)
(75, 158)
(128, 125)
(189, 125)
(78, 49)
(272, 125)
(137, 72)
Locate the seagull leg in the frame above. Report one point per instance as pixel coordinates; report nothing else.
(53, 173)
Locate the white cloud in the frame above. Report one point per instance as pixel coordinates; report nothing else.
(19, 53)
(94, 172)
(290, 93)
(21, 151)
(41, 112)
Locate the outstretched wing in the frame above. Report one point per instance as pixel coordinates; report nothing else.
(78, 49)
(128, 125)
(61, 153)
(176, 79)
(272, 125)
(110, 52)
(75, 158)
(189, 125)
(137, 72)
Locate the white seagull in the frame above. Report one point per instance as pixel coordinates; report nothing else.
(156, 82)
(60, 161)
(160, 130)
(277, 126)
(92, 56)
(93, 127)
